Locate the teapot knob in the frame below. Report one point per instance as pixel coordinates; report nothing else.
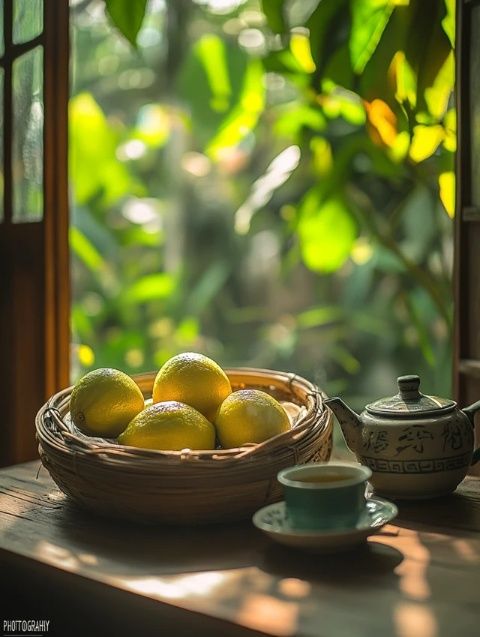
(408, 386)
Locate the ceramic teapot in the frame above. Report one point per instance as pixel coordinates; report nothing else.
(417, 446)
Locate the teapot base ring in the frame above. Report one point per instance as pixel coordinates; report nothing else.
(413, 484)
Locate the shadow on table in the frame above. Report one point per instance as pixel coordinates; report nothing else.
(351, 568)
(126, 548)
(455, 511)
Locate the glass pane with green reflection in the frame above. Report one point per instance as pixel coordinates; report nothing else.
(1, 146)
(27, 150)
(475, 105)
(27, 20)
(2, 39)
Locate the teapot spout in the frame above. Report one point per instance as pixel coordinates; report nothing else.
(349, 421)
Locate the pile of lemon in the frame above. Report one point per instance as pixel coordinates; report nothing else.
(193, 406)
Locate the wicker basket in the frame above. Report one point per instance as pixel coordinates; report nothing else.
(183, 487)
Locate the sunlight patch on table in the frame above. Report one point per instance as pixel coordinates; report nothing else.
(413, 570)
(466, 550)
(197, 584)
(58, 555)
(293, 587)
(262, 612)
(414, 620)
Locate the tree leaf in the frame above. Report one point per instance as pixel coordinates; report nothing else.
(84, 249)
(208, 286)
(448, 22)
(300, 48)
(428, 50)
(93, 142)
(211, 99)
(446, 182)
(244, 117)
(319, 25)
(211, 52)
(405, 80)
(275, 13)
(326, 231)
(383, 122)
(338, 70)
(295, 116)
(149, 288)
(319, 316)
(437, 95)
(425, 141)
(369, 19)
(127, 16)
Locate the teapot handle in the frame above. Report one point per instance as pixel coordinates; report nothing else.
(470, 412)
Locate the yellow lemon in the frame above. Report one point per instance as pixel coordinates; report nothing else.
(249, 415)
(104, 401)
(193, 379)
(170, 426)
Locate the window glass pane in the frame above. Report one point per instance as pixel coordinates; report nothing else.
(27, 20)
(475, 105)
(1, 145)
(27, 152)
(2, 41)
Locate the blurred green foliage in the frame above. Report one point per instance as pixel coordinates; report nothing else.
(270, 183)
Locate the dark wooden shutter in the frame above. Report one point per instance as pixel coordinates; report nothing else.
(467, 228)
(34, 259)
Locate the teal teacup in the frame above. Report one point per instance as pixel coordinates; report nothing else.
(324, 496)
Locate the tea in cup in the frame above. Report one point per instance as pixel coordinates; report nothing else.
(324, 496)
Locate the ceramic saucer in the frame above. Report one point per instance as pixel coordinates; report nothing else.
(273, 521)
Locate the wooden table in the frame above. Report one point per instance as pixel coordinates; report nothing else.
(418, 578)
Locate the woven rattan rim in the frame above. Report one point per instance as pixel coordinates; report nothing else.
(57, 439)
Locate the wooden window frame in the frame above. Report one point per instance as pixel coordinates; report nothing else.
(467, 223)
(466, 363)
(34, 256)
(35, 367)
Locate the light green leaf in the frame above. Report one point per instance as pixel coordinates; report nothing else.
(294, 117)
(211, 52)
(345, 358)
(210, 283)
(211, 101)
(450, 123)
(150, 288)
(369, 19)
(425, 142)
(322, 159)
(341, 102)
(327, 232)
(438, 94)
(446, 182)
(84, 249)
(188, 330)
(81, 324)
(127, 16)
(244, 117)
(153, 125)
(405, 79)
(448, 22)
(435, 66)
(319, 316)
(94, 167)
(300, 48)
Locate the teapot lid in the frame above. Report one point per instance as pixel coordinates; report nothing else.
(410, 402)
